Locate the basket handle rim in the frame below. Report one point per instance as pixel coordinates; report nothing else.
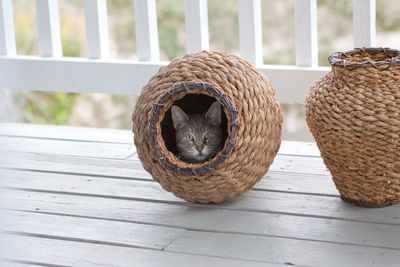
(340, 59)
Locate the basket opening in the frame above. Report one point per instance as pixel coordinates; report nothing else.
(192, 97)
(366, 57)
(191, 104)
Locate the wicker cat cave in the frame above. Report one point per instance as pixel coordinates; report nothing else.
(251, 123)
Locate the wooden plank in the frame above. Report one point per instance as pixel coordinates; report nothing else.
(196, 19)
(7, 33)
(295, 89)
(297, 252)
(364, 17)
(96, 28)
(250, 31)
(37, 161)
(298, 148)
(208, 218)
(76, 75)
(287, 163)
(90, 230)
(71, 148)
(298, 183)
(146, 30)
(274, 180)
(74, 165)
(48, 22)
(252, 201)
(15, 264)
(306, 33)
(128, 77)
(53, 252)
(68, 133)
(119, 136)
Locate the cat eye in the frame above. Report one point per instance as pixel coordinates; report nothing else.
(207, 136)
(189, 137)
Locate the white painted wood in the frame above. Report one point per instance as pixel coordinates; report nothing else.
(306, 33)
(76, 75)
(71, 148)
(48, 22)
(250, 31)
(307, 149)
(96, 230)
(53, 252)
(209, 218)
(364, 17)
(254, 201)
(298, 183)
(282, 163)
(316, 184)
(96, 28)
(7, 34)
(127, 77)
(295, 252)
(71, 133)
(146, 30)
(14, 264)
(90, 134)
(295, 89)
(196, 17)
(74, 164)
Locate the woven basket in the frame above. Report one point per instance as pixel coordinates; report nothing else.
(251, 122)
(354, 115)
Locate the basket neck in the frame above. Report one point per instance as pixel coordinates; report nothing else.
(366, 75)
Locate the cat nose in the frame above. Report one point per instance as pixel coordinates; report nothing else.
(199, 148)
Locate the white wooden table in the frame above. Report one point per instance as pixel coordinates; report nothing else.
(80, 197)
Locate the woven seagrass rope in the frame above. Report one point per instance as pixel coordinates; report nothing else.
(253, 120)
(354, 115)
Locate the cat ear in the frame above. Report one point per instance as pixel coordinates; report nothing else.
(213, 114)
(179, 117)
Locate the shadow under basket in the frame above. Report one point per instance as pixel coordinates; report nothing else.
(354, 114)
(251, 125)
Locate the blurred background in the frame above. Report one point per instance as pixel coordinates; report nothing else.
(335, 33)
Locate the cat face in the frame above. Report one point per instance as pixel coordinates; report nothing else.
(198, 136)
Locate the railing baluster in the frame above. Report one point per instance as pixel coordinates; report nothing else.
(364, 23)
(250, 31)
(48, 20)
(197, 38)
(306, 33)
(146, 30)
(7, 34)
(96, 28)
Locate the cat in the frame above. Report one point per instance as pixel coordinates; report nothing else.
(198, 136)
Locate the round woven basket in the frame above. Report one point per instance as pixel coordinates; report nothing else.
(354, 115)
(251, 122)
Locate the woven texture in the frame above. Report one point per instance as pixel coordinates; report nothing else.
(354, 115)
(253, 119)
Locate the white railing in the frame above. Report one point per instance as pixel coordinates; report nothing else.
(99, 74)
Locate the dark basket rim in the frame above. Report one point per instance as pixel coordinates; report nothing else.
(233, 120)
(339, 58)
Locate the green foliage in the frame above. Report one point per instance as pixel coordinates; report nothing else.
(44, 107)
(171, 25)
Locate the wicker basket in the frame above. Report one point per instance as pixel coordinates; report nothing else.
(251, 123)
(354, 115)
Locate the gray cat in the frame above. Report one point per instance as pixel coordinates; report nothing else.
(198, 136)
